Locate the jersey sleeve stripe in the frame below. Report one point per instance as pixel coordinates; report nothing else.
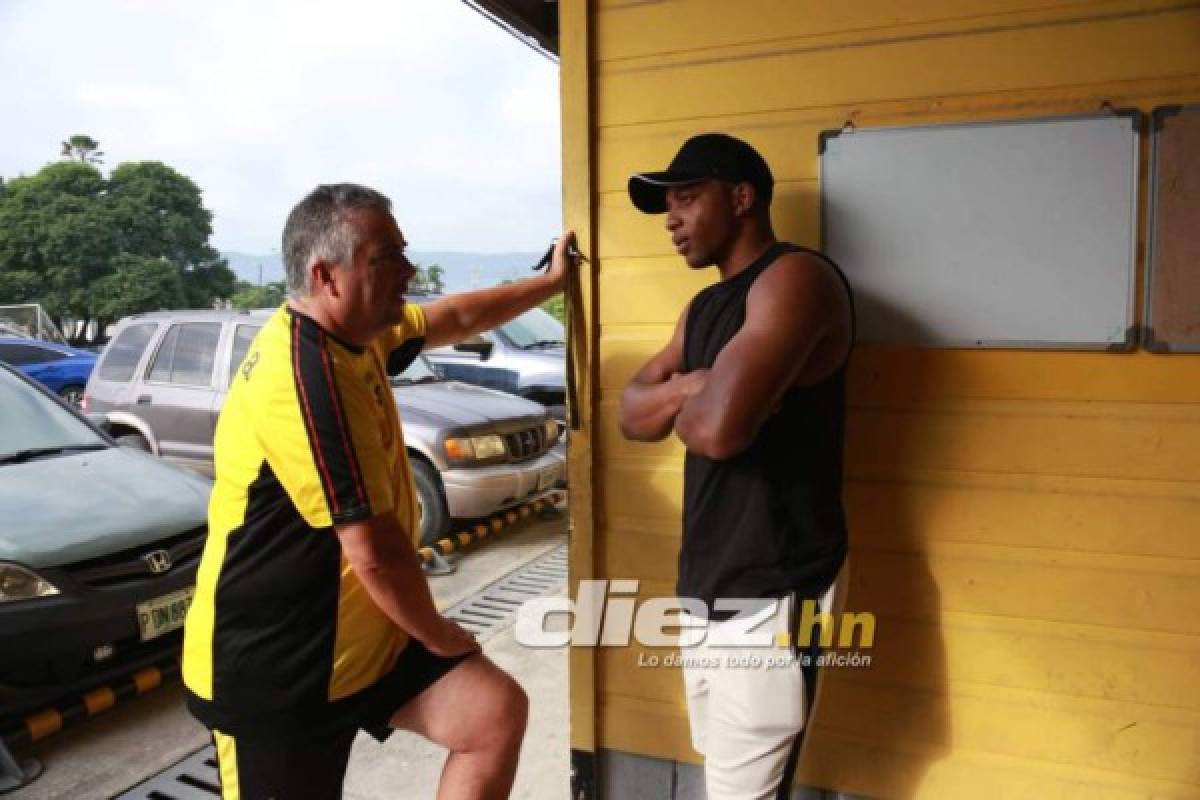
(343, 425)
(326, 483)
(337, 465)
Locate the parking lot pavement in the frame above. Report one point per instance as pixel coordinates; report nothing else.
(116, 749)
(121, 748)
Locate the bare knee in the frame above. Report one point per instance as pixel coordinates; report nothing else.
(511, 709)
(502, 715)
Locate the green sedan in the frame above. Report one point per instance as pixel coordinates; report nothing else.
(98, 551)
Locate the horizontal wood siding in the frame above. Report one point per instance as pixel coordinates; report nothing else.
(1025, 525)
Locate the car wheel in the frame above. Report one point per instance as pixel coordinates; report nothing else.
(72, 394)
(435, 520)
(135, 441)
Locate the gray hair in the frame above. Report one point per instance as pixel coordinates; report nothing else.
(318, 229)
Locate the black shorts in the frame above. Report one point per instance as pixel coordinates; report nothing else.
(310, 765)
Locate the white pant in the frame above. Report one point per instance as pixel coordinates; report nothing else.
(745, 719)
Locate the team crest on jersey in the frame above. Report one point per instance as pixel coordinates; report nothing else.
(249, 364)
(380, 395)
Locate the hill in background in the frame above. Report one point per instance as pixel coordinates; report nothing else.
(463, 270)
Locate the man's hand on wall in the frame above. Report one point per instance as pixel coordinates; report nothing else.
(565, 257)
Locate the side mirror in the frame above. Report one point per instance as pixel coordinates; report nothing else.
(477, 345)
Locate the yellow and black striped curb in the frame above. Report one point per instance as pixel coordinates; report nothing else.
(493, 526)
(49, 721)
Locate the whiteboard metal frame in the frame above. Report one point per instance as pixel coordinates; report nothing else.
(1132, 329)
(1157, 122)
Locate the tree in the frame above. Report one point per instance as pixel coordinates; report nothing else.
(137, 284)
(248, 296)
(428, 280)
(556, 307)
(56, 238)
(81, 245)
(83, 148)
(434, 275)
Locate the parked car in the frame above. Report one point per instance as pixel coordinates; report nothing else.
(98, 550)
(526, 356)
(163, 378)
(474, 451)
(64, 369)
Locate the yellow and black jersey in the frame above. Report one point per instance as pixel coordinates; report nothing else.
(280, 629)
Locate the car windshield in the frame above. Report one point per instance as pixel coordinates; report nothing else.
(534, 328)
(418, 371)
(34, 426)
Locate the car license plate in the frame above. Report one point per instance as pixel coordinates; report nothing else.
(547, 479)
(163, 614)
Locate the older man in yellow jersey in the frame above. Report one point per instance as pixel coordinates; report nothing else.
(312, 619)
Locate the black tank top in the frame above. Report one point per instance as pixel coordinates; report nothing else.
(768, 521)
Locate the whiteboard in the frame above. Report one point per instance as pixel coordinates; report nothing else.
(1010, 234)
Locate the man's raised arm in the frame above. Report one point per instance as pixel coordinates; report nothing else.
(458, 316)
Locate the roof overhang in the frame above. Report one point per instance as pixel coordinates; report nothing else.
(533, 22)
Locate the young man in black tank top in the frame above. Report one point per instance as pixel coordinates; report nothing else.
(753, 383)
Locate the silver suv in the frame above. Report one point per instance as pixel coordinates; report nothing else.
(163, 377)
(525, 356)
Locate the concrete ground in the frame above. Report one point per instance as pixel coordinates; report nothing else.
(118, 750)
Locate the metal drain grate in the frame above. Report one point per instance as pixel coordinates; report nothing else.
(485, 613)
(194, 778)
(493, 608)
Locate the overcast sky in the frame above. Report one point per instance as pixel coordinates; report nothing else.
(259, 101)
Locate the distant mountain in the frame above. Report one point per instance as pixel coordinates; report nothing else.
(463, 270)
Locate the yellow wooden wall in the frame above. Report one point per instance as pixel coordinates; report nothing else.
(1025, 525)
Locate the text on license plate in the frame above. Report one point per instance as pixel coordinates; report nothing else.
(163, 614)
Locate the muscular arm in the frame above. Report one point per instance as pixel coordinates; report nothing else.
(458, 316)
(657, 392)
(792, 307)
(381, 554)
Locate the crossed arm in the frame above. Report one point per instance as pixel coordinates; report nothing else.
(718, 412)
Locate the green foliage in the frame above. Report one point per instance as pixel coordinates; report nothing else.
(88, 247)
(428, 280)
(248, 296)
(435, 277)
(56, 238)
(556, 307)
(136, 284)
(19, 286)
(82, 148)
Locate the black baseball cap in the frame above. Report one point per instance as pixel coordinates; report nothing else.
(705, 157)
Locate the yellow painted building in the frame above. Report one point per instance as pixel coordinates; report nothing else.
(1024, 524)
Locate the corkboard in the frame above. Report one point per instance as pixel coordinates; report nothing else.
(1173, 292)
